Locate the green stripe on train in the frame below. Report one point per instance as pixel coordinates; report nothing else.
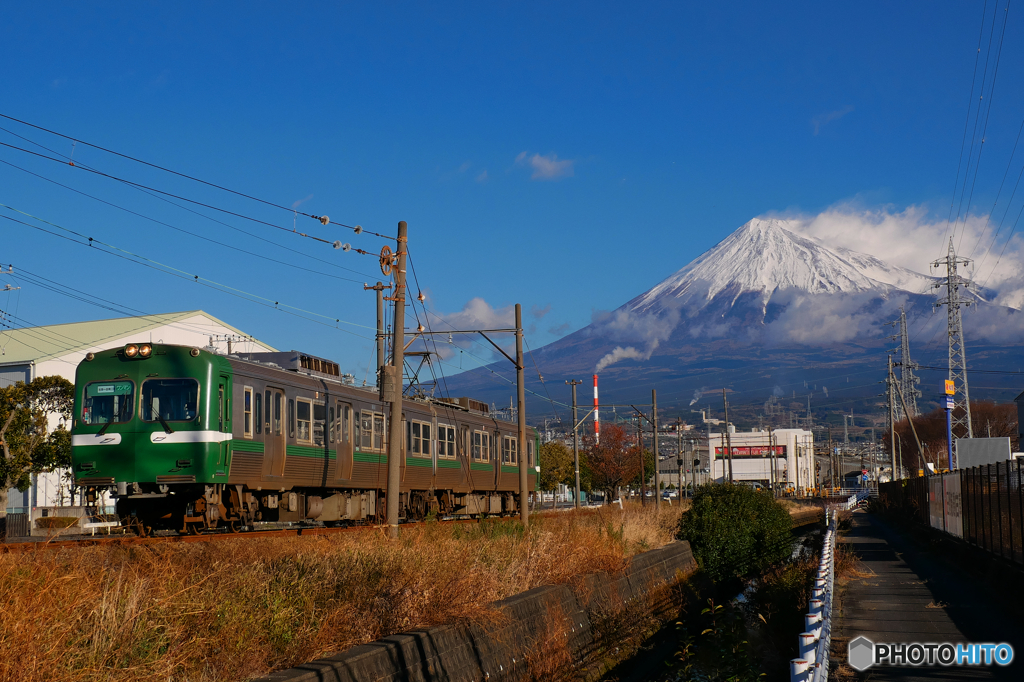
(246, 446)
(480, 466)
(306, 451)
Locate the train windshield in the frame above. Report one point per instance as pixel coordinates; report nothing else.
(108, 401)
(173, 400)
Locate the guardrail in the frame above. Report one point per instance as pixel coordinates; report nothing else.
(812, 665)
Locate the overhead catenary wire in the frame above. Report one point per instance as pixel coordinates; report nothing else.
(188, 232)
(333, 243)
(182, 274)
(988, 114)
(174, 172)
(184, 208)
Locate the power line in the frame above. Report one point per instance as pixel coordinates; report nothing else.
(182, 274)
(184, 231)
(323, 219)
(179, 174)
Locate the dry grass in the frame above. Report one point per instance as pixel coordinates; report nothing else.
(232, 610)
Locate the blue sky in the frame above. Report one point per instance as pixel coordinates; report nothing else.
(565, 157)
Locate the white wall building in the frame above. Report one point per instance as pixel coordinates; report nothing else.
(753, 452)
(32, 352)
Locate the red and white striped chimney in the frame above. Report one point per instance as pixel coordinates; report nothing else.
(597, 418)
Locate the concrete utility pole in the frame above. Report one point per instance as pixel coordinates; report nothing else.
(679, 455)
(961, 416)
(654, 425)
(391, 386)
(379, 288)
(640, 446)
(575, 439)
(728, 439)
(524, 511)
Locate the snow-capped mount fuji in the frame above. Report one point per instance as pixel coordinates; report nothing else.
(767, 307)
(765, 256)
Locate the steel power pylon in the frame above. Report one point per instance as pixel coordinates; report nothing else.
(961, 417)
(908, 382)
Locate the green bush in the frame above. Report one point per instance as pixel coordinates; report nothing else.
(735, 531)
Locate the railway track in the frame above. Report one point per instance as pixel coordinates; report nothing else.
(128, 538)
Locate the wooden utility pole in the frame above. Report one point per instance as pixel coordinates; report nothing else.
(575, 439)
(728, 439)
(391, 386)
(654, 425)
(379, 288)
(524, 510)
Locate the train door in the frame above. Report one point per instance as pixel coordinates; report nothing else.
(274, 445)
(344, 442)
(224, 421)
(463, 454)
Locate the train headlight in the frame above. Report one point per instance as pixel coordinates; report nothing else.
(194, 352)
(131, 350)
(90, 357)
(145, 350)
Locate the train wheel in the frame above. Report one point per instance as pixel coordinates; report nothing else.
(235, 526)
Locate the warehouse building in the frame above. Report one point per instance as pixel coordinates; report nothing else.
(755, 453)
(32, 352)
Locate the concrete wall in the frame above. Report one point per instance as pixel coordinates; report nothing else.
(536, 634)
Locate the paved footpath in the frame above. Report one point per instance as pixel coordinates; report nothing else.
(906, 594)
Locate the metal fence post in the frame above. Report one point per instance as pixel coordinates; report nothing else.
(1020, 511)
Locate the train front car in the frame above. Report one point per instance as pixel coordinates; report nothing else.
(151, 425)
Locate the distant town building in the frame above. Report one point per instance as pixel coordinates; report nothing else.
(753, 454)
(32, 352)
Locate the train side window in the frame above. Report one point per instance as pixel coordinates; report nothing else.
(319, 420)
(509, 454)
(529, 454)
(303, 409)
(291, 417)
(344, 419)
(247, 412)
(330, 424)
(418, 438)
(481, 446)
(277, 413)
(378, 432)
(445, 441)
(220, 407)
(366, 430)
(258, 417)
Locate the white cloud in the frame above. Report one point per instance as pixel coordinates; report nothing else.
(913, 238)
(300, 202)
(821, 119)
(548, 167)
(482, 176)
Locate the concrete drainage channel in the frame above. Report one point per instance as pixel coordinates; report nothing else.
(813, 645)
(540, 634)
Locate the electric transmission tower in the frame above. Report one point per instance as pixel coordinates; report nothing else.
(908, 382)
(961, 416)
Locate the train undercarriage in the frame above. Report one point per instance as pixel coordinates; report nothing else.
(194, 509)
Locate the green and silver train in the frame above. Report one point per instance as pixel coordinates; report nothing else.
(190, 440)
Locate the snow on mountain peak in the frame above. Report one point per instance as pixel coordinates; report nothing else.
(766, 255)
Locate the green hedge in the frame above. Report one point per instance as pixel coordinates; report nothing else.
(735, 531)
